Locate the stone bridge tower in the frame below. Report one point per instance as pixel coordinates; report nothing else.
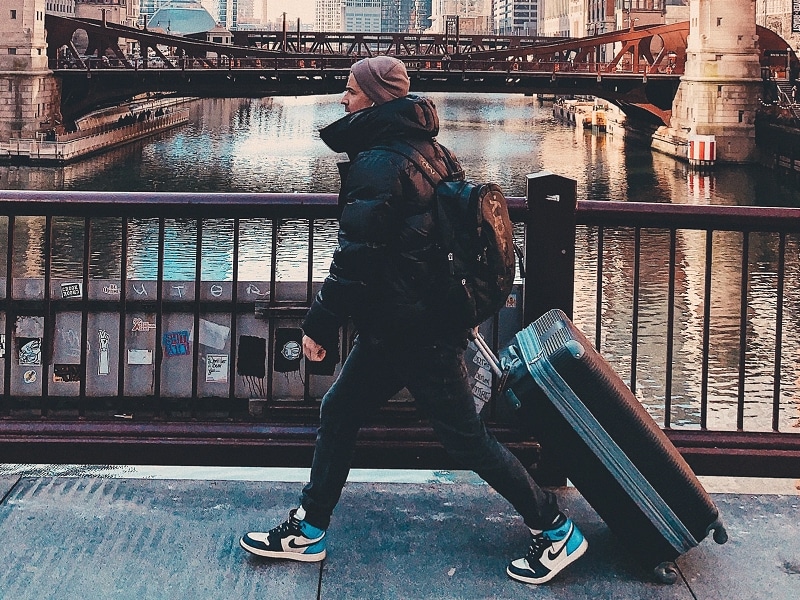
(719, 91)
(29, 94)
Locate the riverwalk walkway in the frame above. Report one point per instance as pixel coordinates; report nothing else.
(151, 533)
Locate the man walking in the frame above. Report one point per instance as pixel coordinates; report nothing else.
(383, 276)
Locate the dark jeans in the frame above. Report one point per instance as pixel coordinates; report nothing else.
(436, 376)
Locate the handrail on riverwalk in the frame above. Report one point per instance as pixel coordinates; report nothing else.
(145, 402)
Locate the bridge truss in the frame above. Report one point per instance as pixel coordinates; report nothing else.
(644, 63)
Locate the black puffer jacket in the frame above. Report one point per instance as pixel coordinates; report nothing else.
(383, 271)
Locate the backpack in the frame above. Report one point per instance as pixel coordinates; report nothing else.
(475, 239)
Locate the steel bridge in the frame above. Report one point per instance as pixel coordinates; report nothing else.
(638, 69)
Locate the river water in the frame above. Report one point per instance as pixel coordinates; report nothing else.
(272, 145)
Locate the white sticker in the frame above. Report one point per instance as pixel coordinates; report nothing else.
(71, 290)
(140, 325)
(479, 360)
(103, 366)
(30, 351)
(481, 392)
(140, 357)
(213, 334)
(484, 376)
(217, 368)
(481, 395)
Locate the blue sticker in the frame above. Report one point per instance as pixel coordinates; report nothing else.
(176, 343)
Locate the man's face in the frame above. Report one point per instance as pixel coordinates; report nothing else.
(354, 97)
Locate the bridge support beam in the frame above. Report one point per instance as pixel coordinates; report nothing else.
(29, 93)
(718, 94)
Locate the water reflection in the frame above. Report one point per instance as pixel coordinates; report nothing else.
(272, 145)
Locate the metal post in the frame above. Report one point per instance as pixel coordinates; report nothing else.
(550, 270)
(283, 41)
(549, 245)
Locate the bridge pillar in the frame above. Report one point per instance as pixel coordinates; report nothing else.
(29, 93)
(719, 91)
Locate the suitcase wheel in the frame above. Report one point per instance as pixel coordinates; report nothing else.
(666, 573)
(720, 534)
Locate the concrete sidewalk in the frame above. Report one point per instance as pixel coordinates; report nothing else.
(86, 537)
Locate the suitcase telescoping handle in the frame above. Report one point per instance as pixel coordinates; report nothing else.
(501, 373)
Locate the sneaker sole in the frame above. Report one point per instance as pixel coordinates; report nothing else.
(316, 557)
(579, 551)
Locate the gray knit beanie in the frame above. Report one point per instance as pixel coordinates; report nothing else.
(382, 78)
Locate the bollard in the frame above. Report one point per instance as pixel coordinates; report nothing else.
(550, 270)
(549, 245)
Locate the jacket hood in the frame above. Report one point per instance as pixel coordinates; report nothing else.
(407, 117)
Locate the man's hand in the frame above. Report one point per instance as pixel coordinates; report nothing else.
(313, 351)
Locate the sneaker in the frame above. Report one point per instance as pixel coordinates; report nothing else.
(550, 552)
(294, 539)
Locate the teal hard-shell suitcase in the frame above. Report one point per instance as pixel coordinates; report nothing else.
(608, 445)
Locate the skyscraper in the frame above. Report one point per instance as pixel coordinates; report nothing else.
(515, 17)
(406, 15)
(361, 15)
(329, 15)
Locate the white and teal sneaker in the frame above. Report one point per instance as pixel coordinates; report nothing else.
(295, 539)
(550, 552)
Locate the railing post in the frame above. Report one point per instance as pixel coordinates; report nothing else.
(549, 270)
(549, 245)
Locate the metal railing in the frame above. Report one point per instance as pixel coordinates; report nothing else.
(167, 382)
(761, 239)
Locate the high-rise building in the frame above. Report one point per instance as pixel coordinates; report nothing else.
(515, 17)
(147, 8)
(329, 15)
(406, 16)
(227, 13)
(361, 15)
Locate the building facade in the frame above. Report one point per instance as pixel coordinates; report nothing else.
(778, 16)
(328, 15)
(62, 8)
(515, 17)
(468, 16)
(361, 15)
(124, 12)
(553, 18)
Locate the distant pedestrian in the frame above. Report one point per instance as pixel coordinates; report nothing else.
(384, 277)
(794, 94)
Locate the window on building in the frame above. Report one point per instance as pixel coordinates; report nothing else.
(13, 14)
(12, 50)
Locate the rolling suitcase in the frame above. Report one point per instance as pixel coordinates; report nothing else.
(610, 448)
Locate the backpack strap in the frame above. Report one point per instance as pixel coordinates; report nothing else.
(417, 158)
